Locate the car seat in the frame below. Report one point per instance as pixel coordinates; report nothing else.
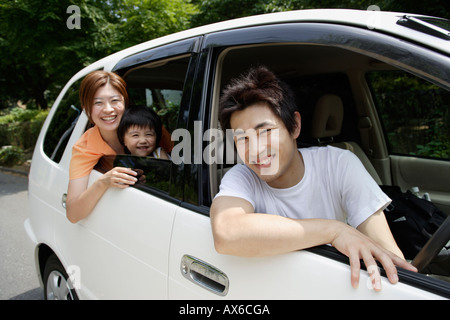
(327, 124)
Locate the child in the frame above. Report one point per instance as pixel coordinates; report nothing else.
(140, 132)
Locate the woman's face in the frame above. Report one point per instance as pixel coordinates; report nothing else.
(107, 109)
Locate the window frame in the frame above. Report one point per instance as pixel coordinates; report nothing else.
(372, 43)
(386, 48)
(171, 51)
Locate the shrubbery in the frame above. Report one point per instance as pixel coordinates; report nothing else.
(11, 155)
(19, 130)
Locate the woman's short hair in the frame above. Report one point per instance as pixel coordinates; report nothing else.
(258, 85)
(95, 80)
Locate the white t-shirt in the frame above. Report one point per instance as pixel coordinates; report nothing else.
(156, 153)
(335, 186)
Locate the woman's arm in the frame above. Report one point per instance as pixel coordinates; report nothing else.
(82, 199)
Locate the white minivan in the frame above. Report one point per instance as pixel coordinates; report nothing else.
(391, 72)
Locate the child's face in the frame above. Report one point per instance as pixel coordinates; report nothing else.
(140, 141)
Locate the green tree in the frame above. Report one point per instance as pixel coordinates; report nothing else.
(211, 11)
(220, 10)
(141, 21)
(40, 53)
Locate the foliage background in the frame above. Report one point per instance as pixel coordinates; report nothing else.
(39, 53)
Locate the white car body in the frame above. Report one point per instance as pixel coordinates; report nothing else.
(136, 245)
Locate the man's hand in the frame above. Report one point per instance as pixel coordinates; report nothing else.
(356, 246)
(237, 230)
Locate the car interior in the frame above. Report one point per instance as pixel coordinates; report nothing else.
(323, 85)
(333, 97)
(334, 100)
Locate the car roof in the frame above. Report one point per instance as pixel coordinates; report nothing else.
(380, 21)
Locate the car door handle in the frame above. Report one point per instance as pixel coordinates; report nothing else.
(64, 200)
(204, 275)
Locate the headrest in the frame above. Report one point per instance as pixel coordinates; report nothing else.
(328, 116)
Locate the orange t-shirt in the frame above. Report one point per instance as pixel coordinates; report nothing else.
(86, 153)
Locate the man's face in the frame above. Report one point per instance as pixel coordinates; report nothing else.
(265, 145)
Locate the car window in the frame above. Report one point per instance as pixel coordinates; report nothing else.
(414, 112)
(62, 123)
(159, 86)
(298, 69)
(153, 174)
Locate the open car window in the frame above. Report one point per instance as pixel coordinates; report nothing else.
(63, 123)
(159, 85)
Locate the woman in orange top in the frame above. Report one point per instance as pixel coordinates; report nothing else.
(103, 97)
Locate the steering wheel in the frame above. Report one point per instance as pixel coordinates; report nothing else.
(433, 246)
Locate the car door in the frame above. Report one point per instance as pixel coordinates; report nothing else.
(47, 183)
(196, 270)
(121, 250)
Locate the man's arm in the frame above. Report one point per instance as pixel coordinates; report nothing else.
(237, 230)
(377, 228)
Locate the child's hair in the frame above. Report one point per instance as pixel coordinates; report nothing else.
(140, 116)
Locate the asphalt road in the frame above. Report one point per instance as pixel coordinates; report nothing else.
(18, 279)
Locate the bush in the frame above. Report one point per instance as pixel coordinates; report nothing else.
(21, 127)
(11, 155)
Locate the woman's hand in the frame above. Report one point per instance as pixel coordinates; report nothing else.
(119, 177)
(81, 198)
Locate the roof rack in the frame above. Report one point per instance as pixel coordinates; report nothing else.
(424, 26)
